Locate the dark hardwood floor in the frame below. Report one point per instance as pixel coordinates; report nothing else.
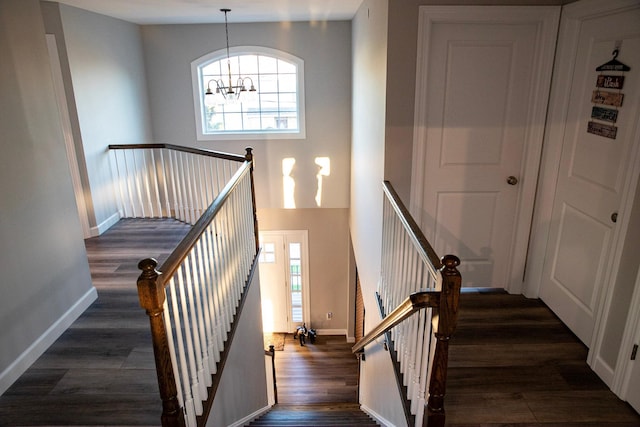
(101, 370)
(512, 362)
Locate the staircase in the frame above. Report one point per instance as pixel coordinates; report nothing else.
(324, 414)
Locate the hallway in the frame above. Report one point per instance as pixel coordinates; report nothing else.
(512, 362)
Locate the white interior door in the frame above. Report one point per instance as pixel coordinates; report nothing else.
(593, 174)
(485, 77)
(284, 280)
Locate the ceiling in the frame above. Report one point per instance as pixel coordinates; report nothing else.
(207, 11)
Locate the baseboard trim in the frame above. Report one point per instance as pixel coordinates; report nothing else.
(250, 417)
(40, 345)
(351, 339)
(331, 332)
(105, 225)
(379, 418)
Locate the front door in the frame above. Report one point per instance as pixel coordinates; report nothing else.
(485, 75)
(593, 173)
(284, 280)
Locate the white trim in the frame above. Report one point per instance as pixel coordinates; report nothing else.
(301, 236)
(546, 19)
(251, 417)
(604, 371)
(199, 89)
(44, 341)
(351, 340)
(105, 225)
(631, 335)
(379, 418)
(332, 332)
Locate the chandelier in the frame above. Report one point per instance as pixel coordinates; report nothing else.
(230, 92)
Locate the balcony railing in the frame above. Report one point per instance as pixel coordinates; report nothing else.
(195, 298)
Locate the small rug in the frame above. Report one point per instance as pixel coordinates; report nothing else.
(275, 339)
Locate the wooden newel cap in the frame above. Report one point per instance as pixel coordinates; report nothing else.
(249, 153)
(450, 261)
(148, 267)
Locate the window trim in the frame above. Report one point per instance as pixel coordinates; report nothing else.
(198, 95)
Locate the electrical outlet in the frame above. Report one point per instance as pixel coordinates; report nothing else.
(329, 315)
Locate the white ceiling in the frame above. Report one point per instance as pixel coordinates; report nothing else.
(206, 11)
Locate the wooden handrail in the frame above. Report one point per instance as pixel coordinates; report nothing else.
(413, 303)
(425, 248)
(152, 294)
(192, 150)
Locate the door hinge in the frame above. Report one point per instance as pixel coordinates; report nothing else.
(634, 352)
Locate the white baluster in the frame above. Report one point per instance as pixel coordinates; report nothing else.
(189, 402)
(193, 370)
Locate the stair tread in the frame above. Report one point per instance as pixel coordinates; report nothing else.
(339, 414)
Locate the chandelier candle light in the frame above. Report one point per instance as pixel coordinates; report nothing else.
(230, 93)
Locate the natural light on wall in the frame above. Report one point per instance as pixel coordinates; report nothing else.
(288, 183)
(323, 166)
(325, 170)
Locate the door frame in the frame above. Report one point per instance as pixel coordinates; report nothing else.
(631, 336)
(573, 16)
(546, 18)
(304, 240)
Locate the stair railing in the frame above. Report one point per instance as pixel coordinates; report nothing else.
(195, 298)
(418, 327)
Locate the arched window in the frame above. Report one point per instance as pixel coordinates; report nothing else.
(274, 110)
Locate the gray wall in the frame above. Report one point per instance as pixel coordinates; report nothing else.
(378, 392)
(45, 281)
(106, 64)
(243, 386)
(326, 51)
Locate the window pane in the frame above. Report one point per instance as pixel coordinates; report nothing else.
(294, 250)
(248, 64)
(271, 107)
(286, 67)
(268, 83)
(287, 83)
(267, 65)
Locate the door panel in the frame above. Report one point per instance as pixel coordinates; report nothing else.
(273, 284)
(592, 175)
(479, 97)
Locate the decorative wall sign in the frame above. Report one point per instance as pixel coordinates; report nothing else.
(603, 97)
(614, 64)
(599, 129)
(610, 82)
(604, 114)
(607, 98)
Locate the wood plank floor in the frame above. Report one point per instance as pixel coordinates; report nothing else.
(512, 361)
(101, 370)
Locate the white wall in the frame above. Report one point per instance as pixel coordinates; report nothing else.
(378, 391)
(108, 77)
(45, 281)
(243, 386)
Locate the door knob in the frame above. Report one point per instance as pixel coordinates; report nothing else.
(614, 217)
(512, 180)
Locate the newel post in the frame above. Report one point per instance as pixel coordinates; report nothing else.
(152, 296)
(447, 320)
(249, 157)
